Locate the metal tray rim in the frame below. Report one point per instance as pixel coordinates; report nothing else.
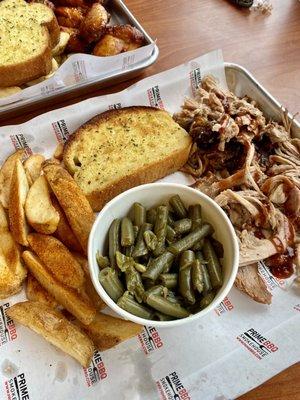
(271, 98)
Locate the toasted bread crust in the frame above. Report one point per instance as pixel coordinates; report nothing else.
(146, 174)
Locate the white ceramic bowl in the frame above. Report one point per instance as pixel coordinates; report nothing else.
(151, 195)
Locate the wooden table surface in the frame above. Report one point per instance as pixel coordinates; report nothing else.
(269, 46)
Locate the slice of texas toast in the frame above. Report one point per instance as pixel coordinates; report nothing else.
(120, 149)
(28, 32)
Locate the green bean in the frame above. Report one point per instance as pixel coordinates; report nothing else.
(189, 240)
(140, 248)
(113, 241)
(170, 234)
(170, 281)
(160, 229)
(140, 267)
(166, 307)
(206, 279)
(218, 247)
(102, 261)
(186, 258)
(157, 265)
(162, 317)
(108, 277)
(170, 219)
(194, 213)
(185, 276)
(150, 240)
(199, 256)
(156, 289)
(182, 226)
(199, 245)
(134, 283)
(178, 206)
(213, 264)
(128, 251)
(127, 234)
(135, 231)
(197, 276)
(206, 300)
(128, 304)
(139, 214)
(123, 261)
(151, 216)
(148, 283)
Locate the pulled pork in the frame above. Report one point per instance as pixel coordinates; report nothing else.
(251, 167)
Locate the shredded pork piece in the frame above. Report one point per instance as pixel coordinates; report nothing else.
(251, 167)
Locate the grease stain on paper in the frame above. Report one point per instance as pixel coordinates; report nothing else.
(61, 372)
(9, 369)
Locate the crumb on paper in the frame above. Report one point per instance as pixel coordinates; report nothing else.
(262, 6)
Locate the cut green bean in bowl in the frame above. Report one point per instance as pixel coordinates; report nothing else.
(162, 263)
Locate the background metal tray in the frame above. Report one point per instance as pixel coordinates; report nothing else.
(242, 83)
(119, 15)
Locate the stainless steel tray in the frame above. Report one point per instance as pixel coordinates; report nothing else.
(120, 14)
(241, 82)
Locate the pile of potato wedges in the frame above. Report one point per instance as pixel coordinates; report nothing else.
(45, 221)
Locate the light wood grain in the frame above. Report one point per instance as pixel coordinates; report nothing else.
(268, 46)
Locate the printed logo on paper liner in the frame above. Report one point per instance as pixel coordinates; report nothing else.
(115, 106)
(155, 97)
(297, 307)
(257, 344)
(195, 79)
(127, 61)
(16, 388)
(79, 71)
(96, 372)
(8, 331)
(61, 130)
(150, 339)
(224, 307)
(270, 280)
(171, 388)
(19, 141)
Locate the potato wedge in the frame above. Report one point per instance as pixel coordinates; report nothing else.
(3, 219)
(73, 201)
(40, 213)
(36, 292)
(6, 173)
(106, 331)
(88, 288)
(64, 232)
(55, 328)
(12, 271)
(17, 197)
(59, 151)
(10, 283)
(67, 297)
(58, 259)
(33, 167)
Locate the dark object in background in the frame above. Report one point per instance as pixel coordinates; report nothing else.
(242, 3)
